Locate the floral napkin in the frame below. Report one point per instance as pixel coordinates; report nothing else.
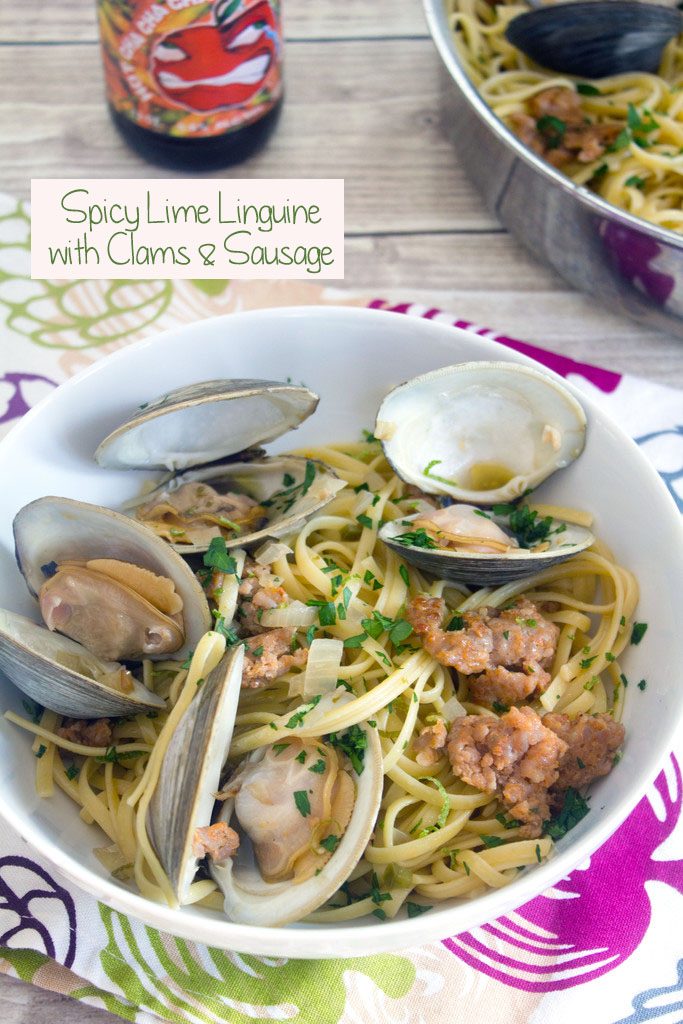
(605, 945)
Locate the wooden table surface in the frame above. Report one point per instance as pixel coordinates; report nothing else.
(363, 103)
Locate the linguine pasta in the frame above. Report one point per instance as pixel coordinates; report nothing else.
(435, 837)
(641, 170)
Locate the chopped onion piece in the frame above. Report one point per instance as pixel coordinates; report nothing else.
(270, 551)
(322, 667)
(452, 709)
(292, 615)
(363, 501)
(227, 601)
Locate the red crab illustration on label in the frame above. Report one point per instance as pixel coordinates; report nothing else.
(214, 67)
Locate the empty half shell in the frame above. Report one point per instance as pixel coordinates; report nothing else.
(304, 816)
(203, 422)
(184, 797)
(481, 432)
(464, 544)
(108, 582)
(244, 502)
(63, 676)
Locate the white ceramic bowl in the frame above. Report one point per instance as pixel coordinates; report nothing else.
(351, 357)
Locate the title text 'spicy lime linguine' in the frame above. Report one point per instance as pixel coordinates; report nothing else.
(494, 708)
(622, 136)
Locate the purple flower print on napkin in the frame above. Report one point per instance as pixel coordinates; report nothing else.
(570, 934)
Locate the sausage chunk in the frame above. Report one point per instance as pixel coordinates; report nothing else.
(258, 591)
(269, 655)
(96, 732)
(219, 842)
(507, 652)
(592, 742)
(556, 128)
(515, 756)
(430, 744)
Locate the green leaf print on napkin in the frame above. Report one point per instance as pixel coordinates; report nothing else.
(69, 314)
(170, 980)
(210, 286)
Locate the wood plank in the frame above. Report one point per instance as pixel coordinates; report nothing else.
(21, 1003)
(33, 21)
(494, 282)
(401, 171)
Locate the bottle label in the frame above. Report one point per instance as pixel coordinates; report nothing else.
(192, 69)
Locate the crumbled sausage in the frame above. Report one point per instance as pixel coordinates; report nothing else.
(515, 756)
(96, 732)
(258, 591)
(269, 655)
(430, 743)
(507, 652)
(592, 742)
(567, 135)
(218, 841)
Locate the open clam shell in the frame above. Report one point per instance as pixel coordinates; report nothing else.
(61, 675)
(190, 772)
(53, 530)
(203, 422)
(251, 899)
(482, 432)
(289, 488)
(483, 568)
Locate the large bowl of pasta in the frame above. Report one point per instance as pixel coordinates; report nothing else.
(587, 174)
(444, 856)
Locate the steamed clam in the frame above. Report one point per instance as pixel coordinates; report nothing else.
(240, 499)
(480, 436)
(184, 797)
(294, 817)
(108, 592)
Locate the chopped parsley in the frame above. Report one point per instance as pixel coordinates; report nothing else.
(302, 802)
(638, 632)
(552, 129)
(352, 742)
(355, 641)
(369, 437)
(538, 853)
(371, 581)
(500, 707)
(330, 843)
(635, 181)
(327, 613)
(230, 635)
(529, 529)
(403, 573)
(574, 808)
(623, 679)
(415, 909)
(217, 557)
(586, 89)
(365, 521)
(72, 772)
(279, 747)
(416, 539)
(642, 685)
(507, 822)
(456, 623)
(318, 767)
(285, 498)
(506, 634)
(49, 569)
(491, 841)
(376, 895)
(587, 662)
(257, 651)
(33, 710)
(301, 757)
(41, 750)
(113, 756)
(298, 716)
